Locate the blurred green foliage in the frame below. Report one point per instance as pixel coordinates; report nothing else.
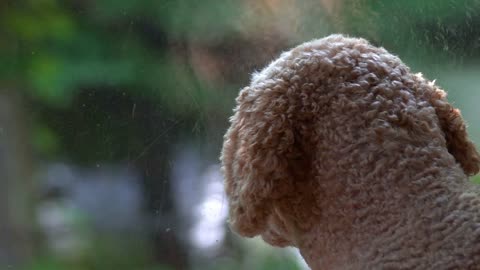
(57, 49)
(438, 33)
(52, 50)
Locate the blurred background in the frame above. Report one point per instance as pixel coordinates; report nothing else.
(112, 115)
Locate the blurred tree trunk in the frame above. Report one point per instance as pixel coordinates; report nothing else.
(169, 248)
(16, 211)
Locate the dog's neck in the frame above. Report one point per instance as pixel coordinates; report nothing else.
(422, 219)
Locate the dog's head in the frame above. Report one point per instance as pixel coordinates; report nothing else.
(322, 101)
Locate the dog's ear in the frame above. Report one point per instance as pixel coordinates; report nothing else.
(255, 157)
(453, 125)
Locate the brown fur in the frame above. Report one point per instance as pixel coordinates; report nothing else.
(338, 149)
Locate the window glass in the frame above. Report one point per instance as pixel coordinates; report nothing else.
(112, 116)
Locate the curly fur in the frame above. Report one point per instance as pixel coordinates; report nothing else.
(338, 149)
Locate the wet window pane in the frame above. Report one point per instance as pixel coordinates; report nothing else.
(112, 116)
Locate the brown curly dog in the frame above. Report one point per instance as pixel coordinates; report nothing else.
(336, 148)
